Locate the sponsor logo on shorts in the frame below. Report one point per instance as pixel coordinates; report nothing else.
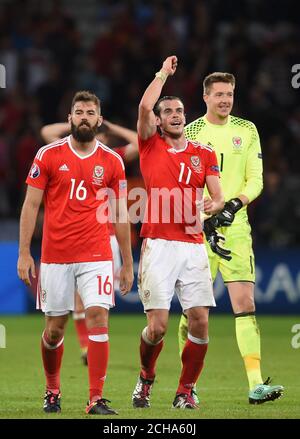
(145, 296)
(43, 296)
(34, 171)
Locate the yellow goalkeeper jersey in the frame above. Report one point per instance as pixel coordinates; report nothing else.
(238, 150)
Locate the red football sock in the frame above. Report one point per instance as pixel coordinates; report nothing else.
(148, 355)
(192, 363)
(81, 329)
(98, 353)
(52, 356)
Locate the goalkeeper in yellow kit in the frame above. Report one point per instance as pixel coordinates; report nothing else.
(237, 146)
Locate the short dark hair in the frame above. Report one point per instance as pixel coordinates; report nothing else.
(209, 80)
(156, 108)
(86, 96)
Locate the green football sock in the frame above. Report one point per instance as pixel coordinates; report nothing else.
(248, 339)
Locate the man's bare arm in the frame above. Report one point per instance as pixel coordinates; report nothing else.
(146, 122)
(215, 203)
(28, 218)
(132, 149)
(55, 131)
(122, 229)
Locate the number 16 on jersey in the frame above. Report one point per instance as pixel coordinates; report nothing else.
(80, 192)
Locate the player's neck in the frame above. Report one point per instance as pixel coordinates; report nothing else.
(177, 144)
(83, 149)
(215, 119)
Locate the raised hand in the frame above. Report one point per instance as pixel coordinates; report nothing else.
(169, 65)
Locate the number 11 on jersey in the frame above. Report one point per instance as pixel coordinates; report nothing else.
(182, 168)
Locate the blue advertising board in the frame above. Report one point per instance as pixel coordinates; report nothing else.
(13, 293)
(277, 289)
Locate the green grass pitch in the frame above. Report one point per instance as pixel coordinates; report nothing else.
(222, 387)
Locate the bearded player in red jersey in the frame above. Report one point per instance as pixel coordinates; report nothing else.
(128, 152)
(173, 256)
(74, 176)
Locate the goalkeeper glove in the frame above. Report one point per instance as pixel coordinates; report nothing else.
(226, 216)
(213, 237)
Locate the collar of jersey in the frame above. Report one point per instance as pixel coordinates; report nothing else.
(76, 153)
(215, 125)
(180, 150)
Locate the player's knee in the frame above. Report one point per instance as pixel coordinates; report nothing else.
(245, 305)
(156, 332)
(198, 316)
(55, 334)
(198, 324)
(251, 304)
(96, 317)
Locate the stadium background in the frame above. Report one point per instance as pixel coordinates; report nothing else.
(52, 48)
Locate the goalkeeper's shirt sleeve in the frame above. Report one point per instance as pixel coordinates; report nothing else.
(254, 167)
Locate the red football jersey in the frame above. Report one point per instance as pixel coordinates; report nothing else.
(121, 151)
(76, 193)
(174, 180)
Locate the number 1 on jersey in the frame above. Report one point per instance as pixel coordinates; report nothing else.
(222, 160)
(182, 167)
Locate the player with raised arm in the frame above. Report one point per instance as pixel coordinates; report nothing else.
(76, 176)
(237, 145)
(128, 152)
(173, 256)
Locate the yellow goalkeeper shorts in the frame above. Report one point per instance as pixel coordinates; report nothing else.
(242, 266)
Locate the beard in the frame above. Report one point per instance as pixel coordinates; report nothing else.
(84, 132)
